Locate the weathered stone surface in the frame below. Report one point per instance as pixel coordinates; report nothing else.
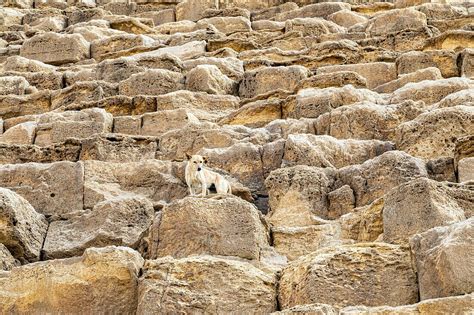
(103, 279)
(227, 25)
(363, 224)
(81, 92)
(326, 151)
(375, 73)
(7, 261)
(52, 189)
(14, 106)
(14, 85)
(56, 49)
(209, 79)
(23, 133)
(102, 48)
(433, 134)
(294, 242)
(454, 304)
(120, 221)
(18, 153)
(368, 273)
(23, 229)
(442, 260)
(152, 82)
(444, 60)
(272, 78)
(311, 103)
(417, 76)
(193, 10)
(421, 204)
(347, 18)
(465, 170)
(298, 194)
(153, 179)
(333, 79)
(322, 10)
(158, 123)
(467, 63)
(395, 21)
(247, 288)
(58, 127)
(205, 227)
(373, 178)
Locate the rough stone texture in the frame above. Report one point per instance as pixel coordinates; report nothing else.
(225, 227)
(442, 260)
(23, 229)
(368, 273)
(7, 261)
(152, 82)
(421, 204)
(192, 285)
(209, 79)
(267, 79)
(102, 280)
(55, 49)
(433, 134)
(52, 189)
(120, 221)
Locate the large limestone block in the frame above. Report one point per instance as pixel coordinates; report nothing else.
(466, 170)
(16, 85)
(367, 121)
(462, 304)
(311, 103)
(417, 76)
(10, 16)
(153, 179)
(298, 194)
(7, 261)
(294, 242)
(56, 49)
(17, 154)
(193, 10)
(326, 151)
(443, 257)
(186, 51)
(271, 78)
(82, 92)
(371, 274)
(225, 227)
(14, 106)
(363, 224)
(227, 24)
(312, 26)
(57, 127)
(347, 18)
(376, 73)
(433, 134)
(102, 280)
(430, 91)
(103, 48)
(467, 63)
(322, 10)
(120, 221)
(394, 21)
(23, 229)
(444, 60)
(22, 64)
(421, 204)
(118, 148)
(209, 79)
(160, 122)
(23, 133)
(195, 285)
(230, 66)
(373, 178)
(51, 188)
(152, 82)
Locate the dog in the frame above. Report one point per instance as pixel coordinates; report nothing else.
(196, 174)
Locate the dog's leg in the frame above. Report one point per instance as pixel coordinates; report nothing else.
(204, 189)
(191, 191)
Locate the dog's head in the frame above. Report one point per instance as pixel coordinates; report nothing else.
(196, 162)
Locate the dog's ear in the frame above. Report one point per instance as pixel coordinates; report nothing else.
(205, 159)
(188, 156)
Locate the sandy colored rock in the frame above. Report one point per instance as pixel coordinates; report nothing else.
(333, 79)
(51, 188)
(363, 224)
(421, 204)
(272, 78)
(442, 260)
(120, 221)
(376, 73)
(298, 194)
(373, 178)
(326, 151)
(247, 288)
(23, 133)
(227, 25)
(433, 134)
(417, 76)
(56, 49)
(444, 60)
(209, 79)
(454, 304)
(193, 10)
(395, 21)
(321, 10)
(14, 106)
(23, 229)
(340, 275)
(465, 170)
(103, 279)
(153, 179)
(102, 48)
(7, 261)
(14, 85)
(205, 228)
(152, 82)
(347, 18)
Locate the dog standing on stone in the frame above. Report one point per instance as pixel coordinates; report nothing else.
(197, 175)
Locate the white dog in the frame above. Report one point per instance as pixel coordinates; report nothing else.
(196, 174)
